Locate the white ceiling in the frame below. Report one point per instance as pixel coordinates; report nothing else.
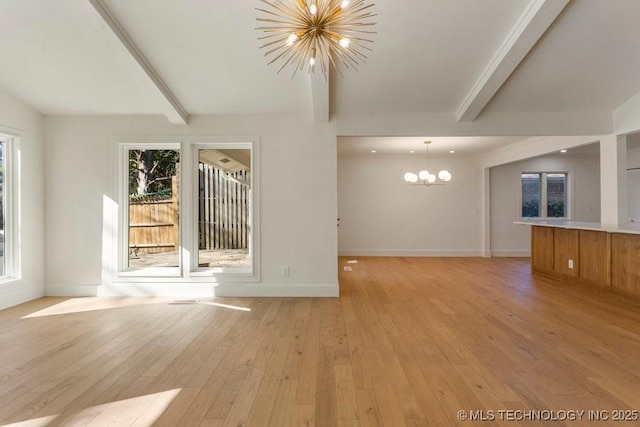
(587, 61)
(197, 57)
(427, 55)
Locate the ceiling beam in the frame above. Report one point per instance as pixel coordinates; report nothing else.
(320, 96)
(99, 14)
(537, 18)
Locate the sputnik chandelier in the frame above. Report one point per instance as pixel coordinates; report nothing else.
(424, 177)
(304, 33)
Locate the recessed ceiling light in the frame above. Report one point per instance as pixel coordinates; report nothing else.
(452, 151)
(563, 151)
(412, 151)
(373, 151)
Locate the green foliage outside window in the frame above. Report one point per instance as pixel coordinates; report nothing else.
(150, 171)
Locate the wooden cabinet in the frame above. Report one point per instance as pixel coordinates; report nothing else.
(603, 258)
(566, 251)
(625, 263)
(595, 257)
(542, 248)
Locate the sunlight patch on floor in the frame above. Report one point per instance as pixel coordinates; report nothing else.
(233, 307)
(79, 305)
(36, 422)
(141, 410)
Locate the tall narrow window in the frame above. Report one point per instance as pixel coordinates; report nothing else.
(153, 213)
(9, 262)
(544, 195)
(531, 195)
(224, 208)
(3, 206)
(556, 195)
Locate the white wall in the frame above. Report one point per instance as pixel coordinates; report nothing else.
(381, 215)
(508, 239)
(633, 150)
(18, 119)
(626, 118)
(298, 198)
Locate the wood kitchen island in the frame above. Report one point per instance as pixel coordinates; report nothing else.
(587, 252)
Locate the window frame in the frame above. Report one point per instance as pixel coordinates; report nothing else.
(123, 224)
(11, 158)
(188, 270)
(223, 273)
(543, 194)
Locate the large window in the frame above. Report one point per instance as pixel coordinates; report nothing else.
(187, 210)
(9, 267)
(3, 204)
(544, 195)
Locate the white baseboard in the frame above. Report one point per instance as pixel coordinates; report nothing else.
(15, 294)
(511, 253)
(410, 253)
(72, 291)
(207, 290)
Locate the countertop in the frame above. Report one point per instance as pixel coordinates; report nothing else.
(631, 228)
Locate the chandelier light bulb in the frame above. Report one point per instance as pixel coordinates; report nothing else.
(345, 42)
(313, 9)
(423, 175)
(431, 179)
(411, 177)
(312, 61)
(444, 175)
(344, 4)
(291, 39)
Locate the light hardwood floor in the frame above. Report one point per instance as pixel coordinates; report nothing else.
(411, 341)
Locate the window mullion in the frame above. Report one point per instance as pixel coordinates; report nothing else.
(543, 196)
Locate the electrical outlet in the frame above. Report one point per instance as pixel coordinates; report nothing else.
(285, 271)
(570, 263)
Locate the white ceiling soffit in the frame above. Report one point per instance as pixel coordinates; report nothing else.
(230, 161)
(463, 146)
(532, 25)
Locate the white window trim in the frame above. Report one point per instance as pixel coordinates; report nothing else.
(543, 193)
(188, 272)
(12, 209)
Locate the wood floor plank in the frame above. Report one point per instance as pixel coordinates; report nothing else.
(308, 374)
(346, 406)
(304, 415)
(410, 341)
